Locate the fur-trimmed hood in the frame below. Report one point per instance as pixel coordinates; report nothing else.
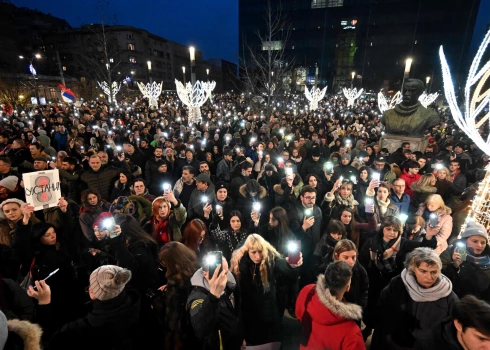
(262, 191)
(425, 189)
(278, 188)
(30, 333)
(339, 311)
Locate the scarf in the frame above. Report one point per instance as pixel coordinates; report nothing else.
(441, 289)
(161, 231)
(348, 202)
(383, 206)
(482, 260)
(382, 256)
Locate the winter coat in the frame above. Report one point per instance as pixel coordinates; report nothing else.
(102, 179)
(223, 171)
(182, 162)
(442, 336)
(23, 335)
(228, 240)
(72, 181)
(468, 278)
(260, 312)
(195, 208)
(175, 222)
(443, 187)
(245, 203)
(402, 204)
(446, 223)
(236, 184)
(151, 168)
(155, 186)
(283, 197)
(216, 322)
(311, 236)
(420, 193)
(327, 323)
(110, 325)
(120, 190)
(401, 320)
(360, 195)
(15, 301)
(311, 167)
(409, 180)
(342, 170)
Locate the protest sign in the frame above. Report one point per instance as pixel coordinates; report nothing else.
(43, 188)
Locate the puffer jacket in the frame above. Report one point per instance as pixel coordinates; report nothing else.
(102, 179)
(446, 226)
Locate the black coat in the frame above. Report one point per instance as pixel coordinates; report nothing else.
(120, 190)
(110, 325)
(443, 336)
(401, 320)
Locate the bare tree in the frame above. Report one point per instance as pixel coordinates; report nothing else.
(14, 93)
(101, 58)
(263, 69)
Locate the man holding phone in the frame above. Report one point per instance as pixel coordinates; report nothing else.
(213, 306)
(305, 222)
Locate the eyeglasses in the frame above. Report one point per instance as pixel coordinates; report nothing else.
(310, 198)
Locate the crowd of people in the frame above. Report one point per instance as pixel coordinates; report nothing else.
(176, 236)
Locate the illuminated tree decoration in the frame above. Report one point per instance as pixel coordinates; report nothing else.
(151, 92)
(115, 89)
(427, 99)
(194, 97)
(352, 95)
(315, 95)
(383, 103)
(474, 122)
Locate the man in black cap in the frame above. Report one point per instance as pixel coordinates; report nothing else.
(381, 166)
(201, 199)
(344, 168)
(312, 165)
(223, 170)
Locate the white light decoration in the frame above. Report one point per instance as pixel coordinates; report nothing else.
(472, 121)
(194, 97)
(315, 95)
(427, 99)
(32, 69)
(115, 89)
(383, 103)
(151, 92)
(271, 90)
(352, 95)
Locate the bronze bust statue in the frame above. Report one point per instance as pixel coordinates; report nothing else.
(410, 118)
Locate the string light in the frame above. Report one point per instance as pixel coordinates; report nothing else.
(115, 89)
(151, 92)
(315, 95)
(352, 95)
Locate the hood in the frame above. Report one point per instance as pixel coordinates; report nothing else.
(30, 333)
(337, 312)
(45, 141)
(426, 189)
(262, 191)
(125, 306)
(198, 280)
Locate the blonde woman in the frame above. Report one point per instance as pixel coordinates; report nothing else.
(256, 265)
(443, 181)
(434, 206)
(423, 188)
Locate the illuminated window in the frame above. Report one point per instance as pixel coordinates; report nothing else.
(318, 4)
(64, 68)
(131, 47)
(132, 59)
(271, 45)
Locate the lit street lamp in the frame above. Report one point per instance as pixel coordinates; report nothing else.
(183, 71)
(406, 73)
(149, 70)
(33, 72)
(192, 52)
(207, 73)
(353, 74)
(427, 80)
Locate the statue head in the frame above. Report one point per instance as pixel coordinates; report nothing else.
(412, 89)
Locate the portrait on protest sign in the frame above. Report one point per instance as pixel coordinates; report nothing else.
(43, 188)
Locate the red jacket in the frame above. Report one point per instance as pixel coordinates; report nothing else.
(409, 179)
(327, 323)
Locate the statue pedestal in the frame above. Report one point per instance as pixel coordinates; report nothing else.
(393, 142)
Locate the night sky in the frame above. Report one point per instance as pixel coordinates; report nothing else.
(211, 26)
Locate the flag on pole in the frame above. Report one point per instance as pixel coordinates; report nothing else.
(67, 95)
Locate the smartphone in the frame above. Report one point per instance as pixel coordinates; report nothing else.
(433, 220)
(294, 250)
(308, 213)
(213, 259)
(368, 202)
(461, 249)
(150, 292)
(328, 167)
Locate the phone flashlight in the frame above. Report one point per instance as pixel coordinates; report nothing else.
(256, 206)
(292, 246)
(166, 186)
(118, 148)
(439, 166)
(108, 223)
(308, 212)
(204, 199)
(376, 176)
(289, 171)
(403, 218)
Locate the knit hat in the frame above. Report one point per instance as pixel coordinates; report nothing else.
(7, 201)
(203, 178)
(315, 152)
(381, 159)
(474, 229)
(39, 229)
(41, 159)
(346, 156)
(108, 281)
(10, 183)
(219, 185)
(269, 167)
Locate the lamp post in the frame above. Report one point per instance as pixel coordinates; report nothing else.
(192, 52)
(207, 73)
(427, 80)
(34, 73)
(353, 74)
(149, 70)
(406, 73)
(183, 72)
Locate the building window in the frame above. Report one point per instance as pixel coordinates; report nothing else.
(271, 45)
(82, 79)
(132, 59)
(319, 4)
(64, 68)
(155, 53)
(169, 66)
(131, 47)
(167, 55)
(129, 36)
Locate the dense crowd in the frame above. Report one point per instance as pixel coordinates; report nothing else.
(170, 236)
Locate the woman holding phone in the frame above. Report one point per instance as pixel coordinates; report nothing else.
(339, 197)
(257, 265)
(382, 204)
(438, 217)
(467, 262)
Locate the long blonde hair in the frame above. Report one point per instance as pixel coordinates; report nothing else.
(269, 253)
(426, 180)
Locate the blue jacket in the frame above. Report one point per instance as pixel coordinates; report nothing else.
(61, 140)
(402, 204)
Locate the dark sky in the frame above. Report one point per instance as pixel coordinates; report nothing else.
(211, 26)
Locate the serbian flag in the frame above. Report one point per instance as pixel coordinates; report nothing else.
(67, 95)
